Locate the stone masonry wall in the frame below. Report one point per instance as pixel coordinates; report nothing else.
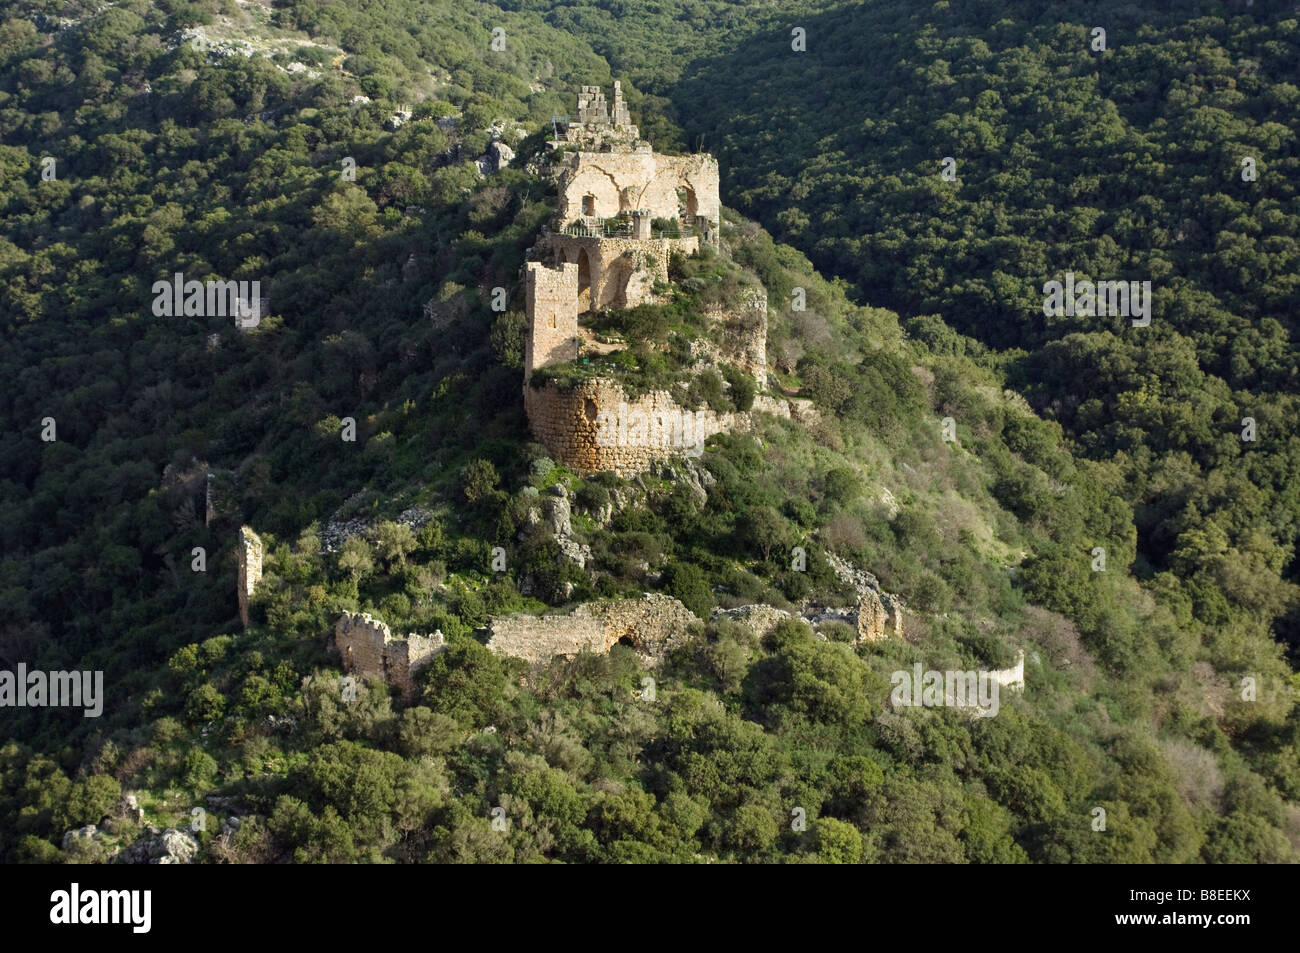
(551, 308)
(248, 570)
(623, 181)
(369, 650)
(595, 427)
(652, 625)
(621, 271)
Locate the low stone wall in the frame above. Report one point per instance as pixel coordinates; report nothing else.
(651, 625)
(760, 617)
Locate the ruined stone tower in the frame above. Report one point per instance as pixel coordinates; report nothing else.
(249, 571)
(551, 307)
(369, 650)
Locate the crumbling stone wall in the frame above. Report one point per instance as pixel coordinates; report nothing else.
(248, 569)
(1012, 679)
(880, 616)
(651, 625)
(621, 272)
(369, 650)
(615, 182)
(744, 333)
(760, 617)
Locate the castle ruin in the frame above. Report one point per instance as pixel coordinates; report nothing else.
(603, 253)
(369, 650)
(651, 626)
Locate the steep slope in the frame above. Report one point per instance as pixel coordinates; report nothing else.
(380, 294)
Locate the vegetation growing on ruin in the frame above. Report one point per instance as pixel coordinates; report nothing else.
(232, 169)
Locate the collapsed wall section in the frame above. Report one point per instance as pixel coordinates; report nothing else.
(369, 650)
(744, 333)
(651, 625)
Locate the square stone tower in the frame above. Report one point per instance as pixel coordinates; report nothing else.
(551, 307)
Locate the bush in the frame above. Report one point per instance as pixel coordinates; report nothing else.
(688, 584)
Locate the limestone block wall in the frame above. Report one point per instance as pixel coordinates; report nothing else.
(591, 105)
(652, 625)
(540, 638)
(551, 308)
(369, 650)
(616, 182)
(248, 569)
(611, 272)
(594, 426)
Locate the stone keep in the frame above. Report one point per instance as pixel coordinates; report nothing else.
(594, 426)
(249, 569)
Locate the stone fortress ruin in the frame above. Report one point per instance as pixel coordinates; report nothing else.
(602, 252)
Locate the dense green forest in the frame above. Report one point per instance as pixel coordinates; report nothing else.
(1073, 433)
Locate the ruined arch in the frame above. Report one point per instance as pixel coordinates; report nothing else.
(687, 202)
(584, 280)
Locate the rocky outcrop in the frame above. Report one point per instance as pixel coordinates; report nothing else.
(156, 846)
(760, 618)
(89, 835)
(496, 158)
(879, 613)
(556, 522)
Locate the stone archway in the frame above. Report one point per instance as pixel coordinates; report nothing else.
(687, 203)
(584, 281)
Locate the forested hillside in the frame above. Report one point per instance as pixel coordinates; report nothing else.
(171, 157)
